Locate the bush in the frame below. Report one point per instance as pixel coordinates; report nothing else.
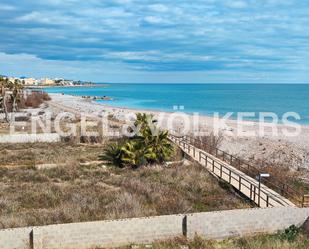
(290, 234)
(147, 147)
(209, 142)
(113, 155)
(35, 99)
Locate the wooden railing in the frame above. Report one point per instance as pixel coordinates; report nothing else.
(305, 201)
(189, 143)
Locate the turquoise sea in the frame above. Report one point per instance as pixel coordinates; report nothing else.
(204, 98)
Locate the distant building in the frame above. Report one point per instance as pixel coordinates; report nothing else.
(12, 79)
(29, 81)
(47, 81)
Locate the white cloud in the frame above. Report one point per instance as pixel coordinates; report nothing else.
(237, 4)
(123, 1)
(6, 7)
(158, 7)
(156, 56)
(155, 20)
(46, 18)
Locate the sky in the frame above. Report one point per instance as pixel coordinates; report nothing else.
(157, 41)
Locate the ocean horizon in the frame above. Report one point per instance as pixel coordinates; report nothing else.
(205, 99)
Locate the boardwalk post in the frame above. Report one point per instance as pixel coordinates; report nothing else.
(259, 200)
(230, 176)
(267, 201)
(239, 182)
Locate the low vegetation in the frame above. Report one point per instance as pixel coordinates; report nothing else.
(82, 189)
(34, 99)
(148, 146)
(13, 97)
(291, 238)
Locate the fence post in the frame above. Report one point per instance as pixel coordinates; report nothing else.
(239, 182)
(267, 201)
(303, 201)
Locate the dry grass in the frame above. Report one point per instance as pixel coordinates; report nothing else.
(75, 193)
(39, 153)
(256, 242)
(209, 142)
(34, 99)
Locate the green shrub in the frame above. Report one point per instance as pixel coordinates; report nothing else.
(290, 234)
(148, 146)
(113, 155)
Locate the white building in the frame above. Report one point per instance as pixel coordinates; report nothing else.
(29, 81)
(47, 81)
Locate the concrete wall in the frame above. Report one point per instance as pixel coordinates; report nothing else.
(18, 238)
(30, 138)
(212, 225)
(219, 225)
(107, 233)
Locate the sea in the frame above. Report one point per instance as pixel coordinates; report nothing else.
(205, 99)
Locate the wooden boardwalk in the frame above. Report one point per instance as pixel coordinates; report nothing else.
(262, 195)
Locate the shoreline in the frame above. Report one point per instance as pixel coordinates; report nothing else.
(69, 86)
(133, 109)
(209, 119)
(187, 113)
(289, 150)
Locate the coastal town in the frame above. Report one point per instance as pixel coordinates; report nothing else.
(30, 81)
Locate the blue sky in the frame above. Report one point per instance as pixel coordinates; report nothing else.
(197, 41)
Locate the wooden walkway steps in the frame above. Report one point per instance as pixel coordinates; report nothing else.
(260, 194)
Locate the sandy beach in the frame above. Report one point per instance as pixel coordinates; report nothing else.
(292, 151)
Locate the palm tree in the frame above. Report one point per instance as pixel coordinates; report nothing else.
(144, 124)
(160, 146)
(112, 155)
(16, 89)
(135, 153)
(149, 146)
(4, 85)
